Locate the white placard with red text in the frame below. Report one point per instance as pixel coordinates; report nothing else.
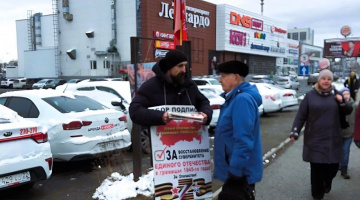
(181, 157)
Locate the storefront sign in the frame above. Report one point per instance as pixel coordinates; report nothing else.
(293, 51)
(259, 35)
(160, 53)
(237, 38)
(276, 29)
(295, 46)
(345, 30)
(260, 47)
(246, 21)
(197, 20)
(277, 49)
(163, 35)
(164, 44)
(181, 158)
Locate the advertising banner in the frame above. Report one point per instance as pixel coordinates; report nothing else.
(181, 157)
(341, 49)
(144, 73)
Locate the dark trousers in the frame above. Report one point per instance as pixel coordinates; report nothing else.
(237, 189)
(321, 178)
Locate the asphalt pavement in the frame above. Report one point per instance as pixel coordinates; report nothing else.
(288, 177)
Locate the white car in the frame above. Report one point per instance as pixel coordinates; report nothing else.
(215, 103)
(209, 83)
(7, 83)
(271, 99)
(79, 128)
(25, 151)
(40, 84)
(288, 82)
(211, 88)
(288, 97)
(19, 83)
(104, 92)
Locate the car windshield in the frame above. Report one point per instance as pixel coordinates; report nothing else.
(214, 82)
(282, 80)
(43, 81)
(65, 104)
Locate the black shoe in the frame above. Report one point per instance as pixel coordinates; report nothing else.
(346, 176)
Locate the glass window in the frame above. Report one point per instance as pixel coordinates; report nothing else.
(214, 82)
(66, 104)
(302, 36)
(23, 106)
(3, 100)
(201, 82)
(109, 90)
(289, 35)
(86, 88)
(295, 36)
(92, 64)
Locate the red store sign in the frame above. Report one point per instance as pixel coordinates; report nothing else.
(164, 44)
(276, 29)
(163, 35)
(246, 21)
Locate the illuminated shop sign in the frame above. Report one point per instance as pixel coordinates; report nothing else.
(260, 47)
(158, 53)
(293, 46)
(279, 30)
(194, 16)
(237, 38)
(259, 35)
(163, 35)
(246, 21)
(293, 51)
(164, 44)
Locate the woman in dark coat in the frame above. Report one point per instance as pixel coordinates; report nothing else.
(320, 110)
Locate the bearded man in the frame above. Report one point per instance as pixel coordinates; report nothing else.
(170, 86)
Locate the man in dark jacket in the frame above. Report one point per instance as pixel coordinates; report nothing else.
(353, 84)
(170, 86)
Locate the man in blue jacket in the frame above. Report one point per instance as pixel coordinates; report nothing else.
(237, 152)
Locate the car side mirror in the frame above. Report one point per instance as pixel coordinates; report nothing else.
(118, 102)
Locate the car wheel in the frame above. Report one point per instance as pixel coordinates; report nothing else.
(10, 86)
(23, 87)
(145, 141)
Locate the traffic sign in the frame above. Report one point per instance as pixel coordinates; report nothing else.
(304, 70)
(304, 58)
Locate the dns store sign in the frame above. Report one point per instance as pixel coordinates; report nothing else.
(246, 21)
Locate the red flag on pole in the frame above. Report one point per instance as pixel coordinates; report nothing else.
(180, 28)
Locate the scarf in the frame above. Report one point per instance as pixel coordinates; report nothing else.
(323, 91)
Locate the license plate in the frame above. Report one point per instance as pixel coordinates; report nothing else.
(110, 145)
(15, 179)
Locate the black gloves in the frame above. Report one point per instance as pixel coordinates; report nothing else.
(235, 188)
(294, 135)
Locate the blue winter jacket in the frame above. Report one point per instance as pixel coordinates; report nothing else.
(237, 137)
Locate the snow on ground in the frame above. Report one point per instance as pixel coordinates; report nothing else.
(118, 187)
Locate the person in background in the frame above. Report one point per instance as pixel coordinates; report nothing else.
(347, 132)
(237, 145)
(353, 84)
(320, 110)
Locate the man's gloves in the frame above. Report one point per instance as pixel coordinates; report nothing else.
(294, 135)
(235, 188)
(357, 143)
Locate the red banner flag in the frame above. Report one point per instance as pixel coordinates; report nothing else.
(180, 28)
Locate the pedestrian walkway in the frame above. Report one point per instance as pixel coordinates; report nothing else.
(288, 177)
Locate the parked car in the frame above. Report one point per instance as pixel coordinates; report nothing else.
(288, 96)
(19, 83)
(73, 81)
(215, 102)
(30, 81)
(211, 88)
(7, 83)
(261, 79)
(312, 79)
(54, 83)
(25, 151)
(79, 127)
(271, 99)
(208, 83)
(40, 84)
(288, 82)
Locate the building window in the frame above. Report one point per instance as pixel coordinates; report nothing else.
(197, 50)
(302, 36)
(295, 36)
(289, 35)
(92, 64)
(106, 64)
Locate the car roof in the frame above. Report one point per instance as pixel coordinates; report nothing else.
(42, 93)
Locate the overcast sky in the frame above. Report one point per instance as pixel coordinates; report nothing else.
(325, 17)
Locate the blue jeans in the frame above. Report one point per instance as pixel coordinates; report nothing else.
(346, 151)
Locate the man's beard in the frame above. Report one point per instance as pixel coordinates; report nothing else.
(178, 79)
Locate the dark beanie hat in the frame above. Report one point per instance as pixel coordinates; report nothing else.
(172, 58)
(234, 67)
